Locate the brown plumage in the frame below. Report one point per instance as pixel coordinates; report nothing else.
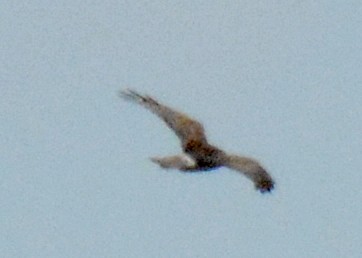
(198, 154)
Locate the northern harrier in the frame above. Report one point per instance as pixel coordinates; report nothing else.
(198, 154)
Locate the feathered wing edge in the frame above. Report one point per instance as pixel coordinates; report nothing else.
(132, 95)
(185, 127)
(251, 169)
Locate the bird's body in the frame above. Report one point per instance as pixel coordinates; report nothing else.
(198, 154)
(205, 155)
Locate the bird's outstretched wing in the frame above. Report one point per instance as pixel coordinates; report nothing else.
(185, 128)
(253, 170)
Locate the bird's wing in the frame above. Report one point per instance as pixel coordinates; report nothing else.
(253, 170)
(185, 128)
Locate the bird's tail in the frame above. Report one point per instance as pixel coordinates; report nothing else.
(182, 162)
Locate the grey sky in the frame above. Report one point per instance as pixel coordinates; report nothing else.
(277, 81)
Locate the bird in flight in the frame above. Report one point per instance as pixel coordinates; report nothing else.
(198, 154)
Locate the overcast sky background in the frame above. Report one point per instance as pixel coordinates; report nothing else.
(278, 81)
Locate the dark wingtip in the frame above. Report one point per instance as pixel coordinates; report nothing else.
(129, 94)
(265, 186)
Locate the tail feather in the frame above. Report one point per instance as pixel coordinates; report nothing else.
(181, 162)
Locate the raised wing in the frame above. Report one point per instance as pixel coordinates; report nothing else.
(253, 170)
(185, 128)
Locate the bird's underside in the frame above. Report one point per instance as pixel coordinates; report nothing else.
(198, 154)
